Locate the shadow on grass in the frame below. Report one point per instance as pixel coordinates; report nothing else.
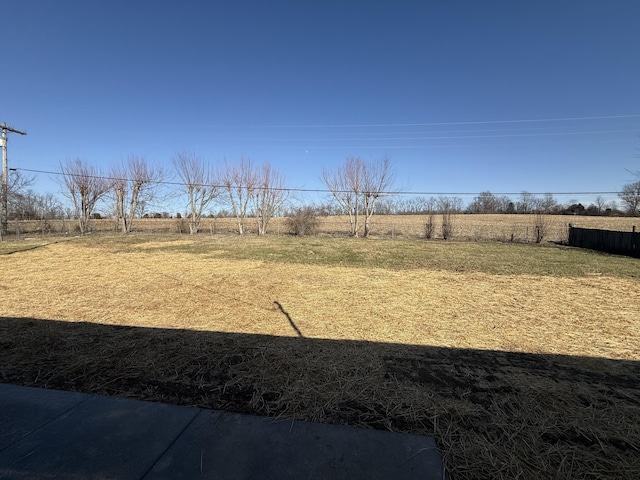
(286, 314)
(494, 414)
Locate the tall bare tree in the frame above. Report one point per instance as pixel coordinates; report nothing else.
(84, 185)
(199, 181)
(356, 186)
(270, 194)
(526, 203)
(240, 181)
(134, 183)
(378, 178)
(345, 185)
(630, 197)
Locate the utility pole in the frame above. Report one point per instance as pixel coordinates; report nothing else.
(5, 179)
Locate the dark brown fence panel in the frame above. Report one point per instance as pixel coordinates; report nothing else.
(621, 243)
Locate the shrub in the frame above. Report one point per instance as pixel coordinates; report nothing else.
(302, 221)
(540, 227)
(181, 224)
(447, 226)
(429, 227)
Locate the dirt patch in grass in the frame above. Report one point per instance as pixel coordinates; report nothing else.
(517, 375)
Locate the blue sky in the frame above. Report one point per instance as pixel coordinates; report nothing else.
(462, 96)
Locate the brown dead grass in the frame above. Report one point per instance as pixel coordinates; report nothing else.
(150, 288)
(516, 375)
(518, 228)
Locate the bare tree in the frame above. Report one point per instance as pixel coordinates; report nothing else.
(345, 184)
(18, 196)
(546, 204)
(448, 206)
(134, 183)
(601, 204)
(377, 180)
(356, 186)
(119, 185)
(29, 205)
(50, 208)
(540, 226)
(84, 185)
(526, 203)
(269, 195)
(16, 186)
(199, 182)
(240, 181)
(630, 197)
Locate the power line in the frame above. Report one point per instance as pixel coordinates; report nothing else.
(433, 124)
(428, 138)
(448, 137)
(325, 190)
(476, 145)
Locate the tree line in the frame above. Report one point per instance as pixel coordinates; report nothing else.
(527, 203)
(249, 190)
(254, 192)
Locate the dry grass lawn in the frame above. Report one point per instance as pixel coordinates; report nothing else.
(501, 227)
(522, 361)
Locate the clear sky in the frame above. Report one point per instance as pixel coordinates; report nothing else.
(463, 96)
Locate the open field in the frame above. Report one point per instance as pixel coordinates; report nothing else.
(516, 228)
(522, 360)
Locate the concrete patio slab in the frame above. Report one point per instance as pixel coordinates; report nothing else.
(234, 447)
(54, 434)
(43, 408)
(101, 437)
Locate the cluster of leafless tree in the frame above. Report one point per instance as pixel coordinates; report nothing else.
(356, 187)
(129, 185)
(488, 203)
(30, 205)
(256, 193)
(249, 190)
(420, 205)
(527, 203)
(25, 204)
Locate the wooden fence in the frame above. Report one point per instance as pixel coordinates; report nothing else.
(621, 243)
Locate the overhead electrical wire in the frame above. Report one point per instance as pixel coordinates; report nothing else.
(428, 137)
(451, 137)
(434, 124)
(326, 190)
